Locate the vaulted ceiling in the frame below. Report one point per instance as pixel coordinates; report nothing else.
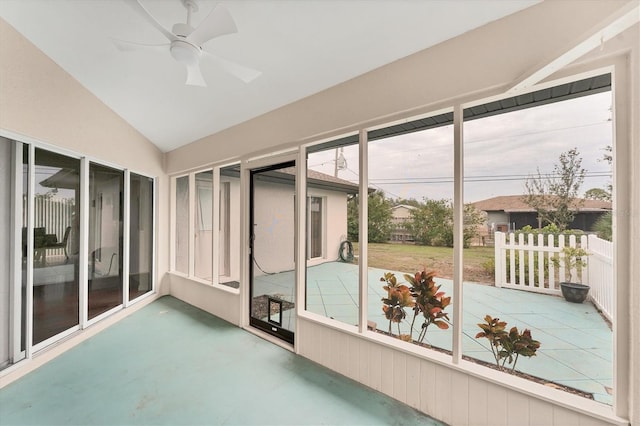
(301, 47)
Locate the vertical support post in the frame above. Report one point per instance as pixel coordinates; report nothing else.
(215, 226)
(458, 230)
(30, 243)
(499, 262)
(172, 221)
(16, 253)
(301, 240)
(192, 225)
(126, 231)
(83, 253)
(363, 238)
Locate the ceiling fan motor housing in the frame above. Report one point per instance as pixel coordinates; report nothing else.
(185, 52)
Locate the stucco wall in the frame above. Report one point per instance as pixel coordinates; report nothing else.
(40, 101)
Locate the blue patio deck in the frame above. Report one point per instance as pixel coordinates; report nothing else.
(576, 343)
(173, 364)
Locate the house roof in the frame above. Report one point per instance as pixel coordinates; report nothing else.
(516, 204)
(315, 179)
(406, 206)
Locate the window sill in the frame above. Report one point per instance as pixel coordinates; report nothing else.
(221, 287)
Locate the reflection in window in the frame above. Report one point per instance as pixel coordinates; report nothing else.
(332, 230)
(106, 188)
(140, 236)
(55, 243)
(182, 225)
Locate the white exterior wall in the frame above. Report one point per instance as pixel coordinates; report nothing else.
(335, 223)
(497, 218)
(273, 225)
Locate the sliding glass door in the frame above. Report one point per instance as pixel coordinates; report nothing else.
(62, 250)
(56, 228)
(140, 235)
(106, 189)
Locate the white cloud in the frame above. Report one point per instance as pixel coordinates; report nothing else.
(500, 151)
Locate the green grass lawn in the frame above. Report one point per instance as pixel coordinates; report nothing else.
(410, 258)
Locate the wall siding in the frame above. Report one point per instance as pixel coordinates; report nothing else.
(221, 303)
(440, 391)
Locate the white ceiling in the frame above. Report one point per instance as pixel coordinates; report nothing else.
(301, 47)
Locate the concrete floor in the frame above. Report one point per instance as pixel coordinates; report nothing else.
(173, 364)
(576, 343)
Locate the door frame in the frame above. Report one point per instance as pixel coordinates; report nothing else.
(275, 330)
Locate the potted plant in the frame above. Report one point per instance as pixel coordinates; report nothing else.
(573, 258)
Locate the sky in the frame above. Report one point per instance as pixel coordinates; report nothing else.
(500, 152)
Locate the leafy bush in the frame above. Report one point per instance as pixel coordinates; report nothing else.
(602, 227)
(507, 347)
(490, 266)
(424, 297)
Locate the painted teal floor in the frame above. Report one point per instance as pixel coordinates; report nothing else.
(173, 364)
(576, 343)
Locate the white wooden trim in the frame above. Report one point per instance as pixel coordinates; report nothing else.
(458, 230)
(363, 238)
(83, 254)
(126, 237)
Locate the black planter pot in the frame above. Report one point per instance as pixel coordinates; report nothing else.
(574, 292)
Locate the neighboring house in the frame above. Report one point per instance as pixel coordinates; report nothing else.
(326, 220)
(400, 218)
(509, 212)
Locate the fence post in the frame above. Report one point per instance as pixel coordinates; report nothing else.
(499, 262)
(552, 268)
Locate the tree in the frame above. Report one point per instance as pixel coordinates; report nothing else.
(379, 218)
(555, 196)
(597, 194)
(432, 223)
(603, 226)
(352, 218)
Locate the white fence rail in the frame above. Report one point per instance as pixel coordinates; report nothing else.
(54, 215)
(601, 275)
(525, 262)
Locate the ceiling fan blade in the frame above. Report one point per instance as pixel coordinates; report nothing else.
(128, 46)
(218, 22)
(194, 76)
(241, 72)
(135, 4)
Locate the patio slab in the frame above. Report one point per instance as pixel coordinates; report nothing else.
(173, 364)
(568, 332)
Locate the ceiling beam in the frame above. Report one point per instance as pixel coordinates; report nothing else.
(610, 27)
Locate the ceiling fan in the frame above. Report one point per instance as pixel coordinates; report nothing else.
(185, 41)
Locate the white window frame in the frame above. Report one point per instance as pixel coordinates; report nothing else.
(323, 227)
(32, 144)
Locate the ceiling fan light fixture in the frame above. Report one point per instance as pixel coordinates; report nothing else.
(185, 53)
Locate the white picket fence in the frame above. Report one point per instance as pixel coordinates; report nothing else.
(524, 262)
(54, 215)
